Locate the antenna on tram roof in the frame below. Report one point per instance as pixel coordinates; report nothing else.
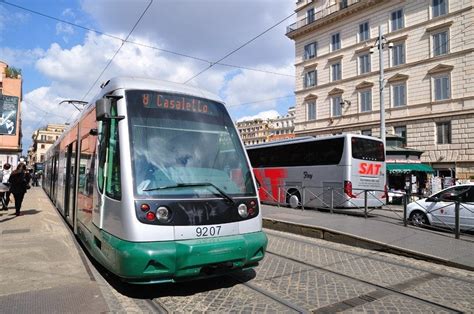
(73, 102)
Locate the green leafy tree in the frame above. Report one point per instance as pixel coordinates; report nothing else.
(12, 72)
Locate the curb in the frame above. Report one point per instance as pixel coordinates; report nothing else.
(349, 239)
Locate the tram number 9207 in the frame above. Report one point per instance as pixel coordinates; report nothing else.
(208, 231)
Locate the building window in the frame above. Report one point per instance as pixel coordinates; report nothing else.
(402, 132)
(335, 42)
(399, 95)
(310, 79)
(365, 97)
(366, 132)
(443, 132)
(398, 54)
(364, 32)
(364, 64)
(310, 15)
(396, 20)
(336, 71)
(442, 87)
(440, 7)
(41, 158)
(310, 50)
(42, 146)
(311, 109)
(440, 43)
(336, 106)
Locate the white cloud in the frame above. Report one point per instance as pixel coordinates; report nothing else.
(64, 29)
(208, 29)
(270, 114)
(19, 57)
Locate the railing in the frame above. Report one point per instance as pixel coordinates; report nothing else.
(320, 14)
(367, 201)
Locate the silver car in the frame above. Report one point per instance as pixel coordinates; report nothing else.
(439, 208)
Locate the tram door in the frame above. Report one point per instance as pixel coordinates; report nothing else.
(70, 187)
(54, 183)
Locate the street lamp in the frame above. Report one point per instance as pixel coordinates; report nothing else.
(380, 43)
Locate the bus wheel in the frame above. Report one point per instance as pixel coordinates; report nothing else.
(293, 199)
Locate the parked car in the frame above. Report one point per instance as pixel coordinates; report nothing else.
(439, 208)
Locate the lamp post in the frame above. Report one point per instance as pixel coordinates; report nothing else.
(380, 43)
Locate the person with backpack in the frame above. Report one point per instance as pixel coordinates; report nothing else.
(19, 182)
(5, 175)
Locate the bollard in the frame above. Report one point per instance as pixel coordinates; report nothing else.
(405, 202)
(365, 203)
(457, 228)
(332, 200)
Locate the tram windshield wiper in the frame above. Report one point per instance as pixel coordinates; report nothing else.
(201, 184)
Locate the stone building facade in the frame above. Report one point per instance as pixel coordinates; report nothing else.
(259, 131)
(10, 118)
(428, 61)
(43, 139)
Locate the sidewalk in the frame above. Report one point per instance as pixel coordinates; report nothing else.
(373, 233)
(41, 269)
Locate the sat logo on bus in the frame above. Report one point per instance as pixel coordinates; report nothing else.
(369, 168)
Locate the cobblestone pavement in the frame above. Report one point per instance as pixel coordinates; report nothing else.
(301, 274)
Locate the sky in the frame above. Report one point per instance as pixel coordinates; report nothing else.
(62, 47)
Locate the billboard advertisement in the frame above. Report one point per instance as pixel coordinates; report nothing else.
(8, 114)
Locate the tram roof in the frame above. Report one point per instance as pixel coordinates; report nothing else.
(129, 82)
(303, 139)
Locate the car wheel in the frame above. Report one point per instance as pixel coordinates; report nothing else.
(293, 199)
(419, 218)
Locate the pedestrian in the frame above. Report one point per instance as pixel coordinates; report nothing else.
(19, 183)
(5, 174)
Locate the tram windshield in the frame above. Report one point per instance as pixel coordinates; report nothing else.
(181, 146)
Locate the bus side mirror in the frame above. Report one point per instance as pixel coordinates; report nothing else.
(102, 109)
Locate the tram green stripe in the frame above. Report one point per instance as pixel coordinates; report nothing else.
(176, 260)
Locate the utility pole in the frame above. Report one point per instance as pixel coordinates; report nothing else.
(381, 86)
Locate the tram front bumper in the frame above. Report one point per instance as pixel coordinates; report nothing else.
(169, 261)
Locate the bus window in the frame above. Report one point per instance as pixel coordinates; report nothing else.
(367, 149)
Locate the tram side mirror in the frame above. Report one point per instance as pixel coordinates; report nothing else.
(102, 109)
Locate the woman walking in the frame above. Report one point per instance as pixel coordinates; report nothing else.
(19, 181)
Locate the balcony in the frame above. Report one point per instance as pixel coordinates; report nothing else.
(317, 16)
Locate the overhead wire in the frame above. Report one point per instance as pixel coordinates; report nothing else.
(138, 43)
(238, 48)
(259, 101)
(118, 50)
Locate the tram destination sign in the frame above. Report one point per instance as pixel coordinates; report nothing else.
(8, 112)
(167, 101)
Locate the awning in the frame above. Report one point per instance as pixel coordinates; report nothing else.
(407, 168)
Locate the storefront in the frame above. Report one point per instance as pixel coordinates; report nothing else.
(405, 170)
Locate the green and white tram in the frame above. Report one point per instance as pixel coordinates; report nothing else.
(154, 180)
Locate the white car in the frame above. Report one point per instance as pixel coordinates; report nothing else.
(439, 208)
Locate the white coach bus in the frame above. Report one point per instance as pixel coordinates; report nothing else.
(336, 171)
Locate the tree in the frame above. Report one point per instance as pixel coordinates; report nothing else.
(12, 72)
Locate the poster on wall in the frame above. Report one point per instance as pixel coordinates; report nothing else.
(8, 113)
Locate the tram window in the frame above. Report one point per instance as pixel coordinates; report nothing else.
(109, 144)
(113, 186)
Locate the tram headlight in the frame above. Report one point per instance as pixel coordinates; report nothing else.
(163, 214)
(243, 212)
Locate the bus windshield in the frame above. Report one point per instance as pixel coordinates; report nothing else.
(181, 145)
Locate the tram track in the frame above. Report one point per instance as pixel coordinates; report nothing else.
(373, 255)
(269, 295)
(156, 306)
(380, 290)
